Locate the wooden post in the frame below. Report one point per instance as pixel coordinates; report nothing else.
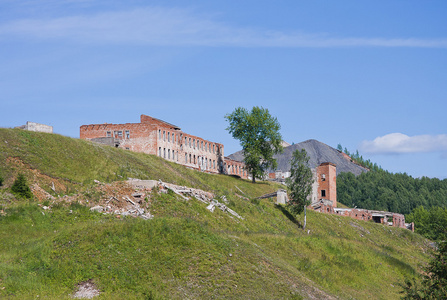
(304, 226)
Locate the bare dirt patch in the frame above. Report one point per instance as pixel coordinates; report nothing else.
(86, 290)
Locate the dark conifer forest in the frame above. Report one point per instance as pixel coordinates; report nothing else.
(422, 200)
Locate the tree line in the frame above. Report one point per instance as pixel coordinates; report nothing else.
(423, 200)
(382, 190)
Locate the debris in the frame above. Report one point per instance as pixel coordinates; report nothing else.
(97, 208)
(128, 199)
(240, 190)
(172, 189)
(203, 196)
(210, 207)
(224, 199)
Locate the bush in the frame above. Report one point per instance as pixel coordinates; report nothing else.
(1, 180)
(20, 187)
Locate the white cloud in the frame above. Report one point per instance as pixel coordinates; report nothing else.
(163, 26)
(401, 143)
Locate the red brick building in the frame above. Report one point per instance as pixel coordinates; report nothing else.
(327, 182)
(326, 201)
(157, 137)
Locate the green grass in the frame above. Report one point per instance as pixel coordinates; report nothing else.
(185, 251)
(77, 163)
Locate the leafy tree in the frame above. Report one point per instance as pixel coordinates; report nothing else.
(300, 181)
(434, 281)
(431, 223)
(258, 133)
(20, 187)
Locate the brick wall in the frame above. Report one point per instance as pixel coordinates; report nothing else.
(382, 217)
(157, 137)
(327, 182)
(233, 167)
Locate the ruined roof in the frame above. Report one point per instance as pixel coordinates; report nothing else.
(142, 117)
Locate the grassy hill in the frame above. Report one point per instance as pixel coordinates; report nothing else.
(185, 251)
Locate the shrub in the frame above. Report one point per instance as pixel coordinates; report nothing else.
(1, 180)
(20, 187)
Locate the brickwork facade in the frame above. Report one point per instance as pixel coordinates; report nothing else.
(326, 177)
(234, 167)
(157, 137)
(324, 200)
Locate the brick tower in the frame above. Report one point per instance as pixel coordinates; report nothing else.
(327, 182)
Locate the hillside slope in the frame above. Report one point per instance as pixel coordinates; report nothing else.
(318, 153)
(185, 251)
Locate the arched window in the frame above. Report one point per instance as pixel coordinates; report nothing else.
(159, 133)
(201, 145)
(159, 151)
(164, 152)
(164, 135)
(169, 153)
(186, 158)
(169, 136)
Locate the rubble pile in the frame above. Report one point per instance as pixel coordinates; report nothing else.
(122, 198)
(205, 197)
(132, 197)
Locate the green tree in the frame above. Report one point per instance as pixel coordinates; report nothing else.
(20, 187)
(434, 281)
(258, 133)
(300, 181)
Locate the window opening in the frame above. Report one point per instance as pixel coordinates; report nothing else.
(118, 134)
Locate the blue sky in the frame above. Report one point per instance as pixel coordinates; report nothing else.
(371, 75)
